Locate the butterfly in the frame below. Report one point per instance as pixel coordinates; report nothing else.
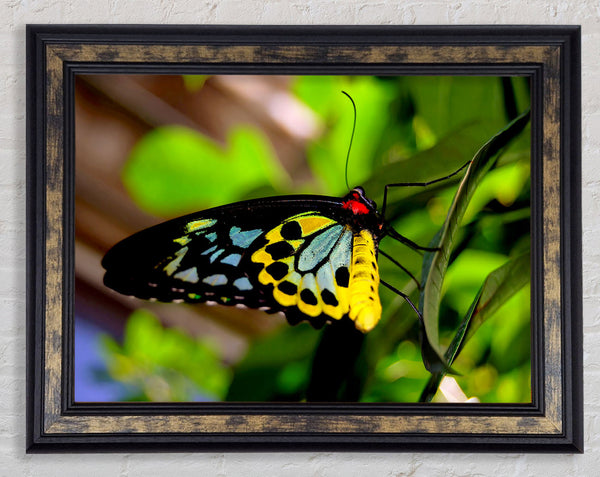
(311, 257)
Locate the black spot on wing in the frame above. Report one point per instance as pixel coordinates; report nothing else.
(279, 250)
(291, 231)
(277, 270)
(295, 316)
(308, 297)
(342, 277)
(329, 298)
(288, 288)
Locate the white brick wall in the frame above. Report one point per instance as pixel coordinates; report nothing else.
(14, 14)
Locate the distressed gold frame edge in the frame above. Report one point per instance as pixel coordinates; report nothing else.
(56, 423)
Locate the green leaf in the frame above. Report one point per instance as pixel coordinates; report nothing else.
(440, 160)
(466, 274)
(173, 170)
(164, 364)
(498, 287)
(436, 263)
(194, 83)
(441, 101)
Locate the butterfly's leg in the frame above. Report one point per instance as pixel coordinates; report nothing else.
(431, 359)
(418, 184)
(406, 298)
(406, 241)
(402, 267)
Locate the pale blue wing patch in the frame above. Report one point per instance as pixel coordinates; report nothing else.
(309, 283)
(319, 248)
(325, 278)
(174, 264)
(215, 280)
(233, 259)
(342, 252)
(216, 255)
(242, 284)
(209, 250)
(211, 236)
(189, 275)
(339, 260)
(294, 277)
(245, 238)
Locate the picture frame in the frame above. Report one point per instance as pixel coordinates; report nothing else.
(548, 55)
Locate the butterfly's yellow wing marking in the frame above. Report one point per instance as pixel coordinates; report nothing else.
(365, 307)
(173, 265)
(322, 267)
(200, 224)
(301, 259)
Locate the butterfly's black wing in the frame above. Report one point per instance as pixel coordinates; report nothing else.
(236, 255)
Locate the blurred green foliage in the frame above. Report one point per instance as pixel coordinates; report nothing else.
(164, 364)
(165, 176)
(408, 129)
(276, 367)
(194, 82)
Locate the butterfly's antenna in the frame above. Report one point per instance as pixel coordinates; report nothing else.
(351, 138)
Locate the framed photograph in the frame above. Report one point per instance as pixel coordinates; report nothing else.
(304, 238)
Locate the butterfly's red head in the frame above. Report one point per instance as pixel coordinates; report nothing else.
(358, 203)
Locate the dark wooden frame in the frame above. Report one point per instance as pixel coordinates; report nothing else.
(549, 55)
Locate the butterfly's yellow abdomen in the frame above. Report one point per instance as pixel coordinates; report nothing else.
(365, 307)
